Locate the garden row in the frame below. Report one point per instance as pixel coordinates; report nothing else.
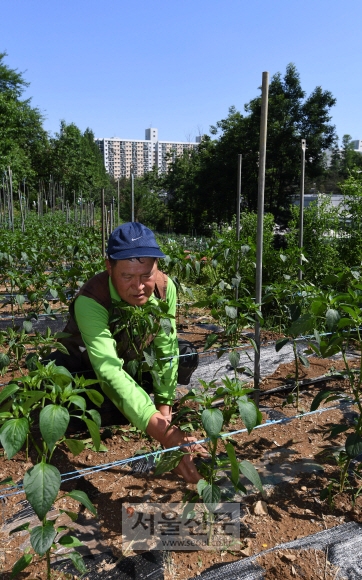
(36, 408)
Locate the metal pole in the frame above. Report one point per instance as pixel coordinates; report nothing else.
(11, 198)
(24, 201)
(238, 196)
(118, 218)
(132, 195)
(22, 210)
(259, 241)
(301, 206)
(102, 219)
(81, 209)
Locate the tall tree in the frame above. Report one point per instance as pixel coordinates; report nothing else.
(149, 202)
(76, 163)
(10, 79)
(22, 137)
(210, 176)
(350, 158)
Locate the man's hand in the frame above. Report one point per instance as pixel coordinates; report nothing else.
(173, 437)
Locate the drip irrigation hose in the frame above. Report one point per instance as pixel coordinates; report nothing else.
(106, 466)
(102, 467)
(303, 383)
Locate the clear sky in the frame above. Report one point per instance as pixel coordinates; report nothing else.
(121, 66)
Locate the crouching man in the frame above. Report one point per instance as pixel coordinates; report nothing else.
(131, 278)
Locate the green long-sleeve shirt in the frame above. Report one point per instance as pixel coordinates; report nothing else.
(119, 386)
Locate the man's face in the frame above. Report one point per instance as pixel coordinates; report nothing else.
(134, 280)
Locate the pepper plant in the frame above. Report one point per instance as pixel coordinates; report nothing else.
(299, 324)
(343, 319)
(44, 401)
(134, 328)
(233, 315)
(14, 340)
(211, 411)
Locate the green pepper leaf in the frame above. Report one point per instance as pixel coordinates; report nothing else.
(53, 423)
(75, 446)
(42, 537)
(249, 413)
(41, 486)
(211, 495)
(21, 564)
(353, 445)
(13, 435)
(249, 471)
(82, 498)
(233, 463)
(212, 420)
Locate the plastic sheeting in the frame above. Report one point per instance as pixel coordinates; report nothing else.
(344, 545)
(106, 567)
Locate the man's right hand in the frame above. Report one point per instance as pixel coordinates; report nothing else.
(158, 428)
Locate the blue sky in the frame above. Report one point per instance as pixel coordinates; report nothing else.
(121, 66)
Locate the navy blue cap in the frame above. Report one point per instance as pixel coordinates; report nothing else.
(133, 240)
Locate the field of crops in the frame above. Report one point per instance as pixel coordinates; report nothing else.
(317, 318)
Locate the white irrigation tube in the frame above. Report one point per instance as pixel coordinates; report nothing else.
(106, 466)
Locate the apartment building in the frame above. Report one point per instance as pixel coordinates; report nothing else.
(328, 154)
(122, 156)
(357, 145)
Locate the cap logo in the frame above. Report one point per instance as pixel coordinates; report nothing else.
(133, 240)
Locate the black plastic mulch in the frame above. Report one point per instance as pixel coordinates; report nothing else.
(148, 565)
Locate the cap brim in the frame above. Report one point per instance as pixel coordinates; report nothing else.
(137, 253)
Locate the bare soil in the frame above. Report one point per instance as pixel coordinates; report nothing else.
(293, 507)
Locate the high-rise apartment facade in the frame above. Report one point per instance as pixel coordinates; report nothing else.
(121, 157)
(357, 145)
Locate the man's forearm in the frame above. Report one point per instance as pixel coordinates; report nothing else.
(159, 428)
(165, 410)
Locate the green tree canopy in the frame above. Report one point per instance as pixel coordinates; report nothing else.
(22, 137)
(71, 158)
(149, 202)
(203, 184)
(350, 159)
(10, 79)
(76, 162)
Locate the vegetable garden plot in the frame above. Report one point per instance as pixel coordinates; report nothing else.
(288, 510)
(249, 453)
(301, 309)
